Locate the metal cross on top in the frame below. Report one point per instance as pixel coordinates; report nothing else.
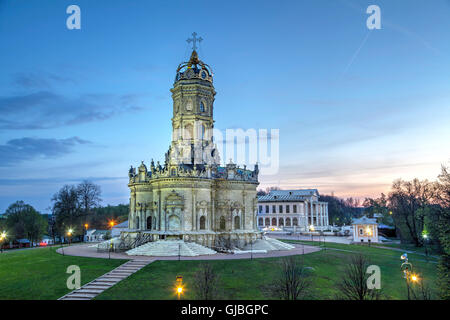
(194, 40)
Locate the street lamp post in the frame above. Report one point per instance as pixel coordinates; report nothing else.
(86, 226)
(409, 276)
(2, 239)
(425, 238)
(311, 229)
(179, 287)
(69, 234)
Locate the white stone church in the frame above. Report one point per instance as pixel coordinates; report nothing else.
(191, 204)
(190, 197)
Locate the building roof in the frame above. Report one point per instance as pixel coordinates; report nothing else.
(364, 220)
(99, 232)
(288, 195)
(122, 225)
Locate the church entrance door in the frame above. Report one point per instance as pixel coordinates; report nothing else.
(149, 223)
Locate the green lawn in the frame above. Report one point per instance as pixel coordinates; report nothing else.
(41, 273)
(432, 249)
(243, 279)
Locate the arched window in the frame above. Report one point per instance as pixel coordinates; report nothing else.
(202, 223)
(173, 172)
(260, 221)
(274, 221)
(267, 222)
(295, 222)
(280, 222)
(237, 222)
(222, 223)
(288, 222)
(202, 107)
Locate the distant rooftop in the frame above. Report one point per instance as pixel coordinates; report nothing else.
(122, 225)
(288, 195)
(364, 220)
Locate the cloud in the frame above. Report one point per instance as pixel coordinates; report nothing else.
(19, 150)
(46, 109)
(57, 180)
(41, 80)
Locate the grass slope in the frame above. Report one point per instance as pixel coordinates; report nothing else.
(40, 273)
(243, 279)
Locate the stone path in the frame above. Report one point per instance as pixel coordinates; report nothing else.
(86, 251)
(97, 286)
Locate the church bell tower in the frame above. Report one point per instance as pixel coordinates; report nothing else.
(192, 122)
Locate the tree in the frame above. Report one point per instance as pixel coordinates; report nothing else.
(262, 192)
(66, 209)
(353, 285)
(292, 283)
(99, 217)
(405, 200)
(379, 206)
(25, 222)
(206, 283)
(341, 211)
(441, 231)
(72, 206)
(88, 196)
(107, 235)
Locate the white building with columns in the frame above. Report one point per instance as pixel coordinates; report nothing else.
(292, 208)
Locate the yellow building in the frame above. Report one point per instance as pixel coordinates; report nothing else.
(365, 230)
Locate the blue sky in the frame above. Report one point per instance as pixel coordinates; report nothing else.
(356, 108)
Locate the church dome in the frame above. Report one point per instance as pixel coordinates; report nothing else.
(194, 69)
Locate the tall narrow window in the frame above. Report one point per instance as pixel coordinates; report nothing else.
(222, 223)
(202, 107)
(237, 223)
(202, 222)
(294, 208)
(281, 208)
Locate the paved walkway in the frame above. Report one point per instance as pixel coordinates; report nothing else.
(315, 238)
(85, 251)
(92, 289)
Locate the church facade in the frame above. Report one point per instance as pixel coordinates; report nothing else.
(191, 196)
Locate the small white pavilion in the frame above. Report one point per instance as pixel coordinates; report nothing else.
(365, 230)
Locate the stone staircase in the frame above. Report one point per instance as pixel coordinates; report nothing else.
(168, 248)
(280, 245)
(268, 244)
(97, 286)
